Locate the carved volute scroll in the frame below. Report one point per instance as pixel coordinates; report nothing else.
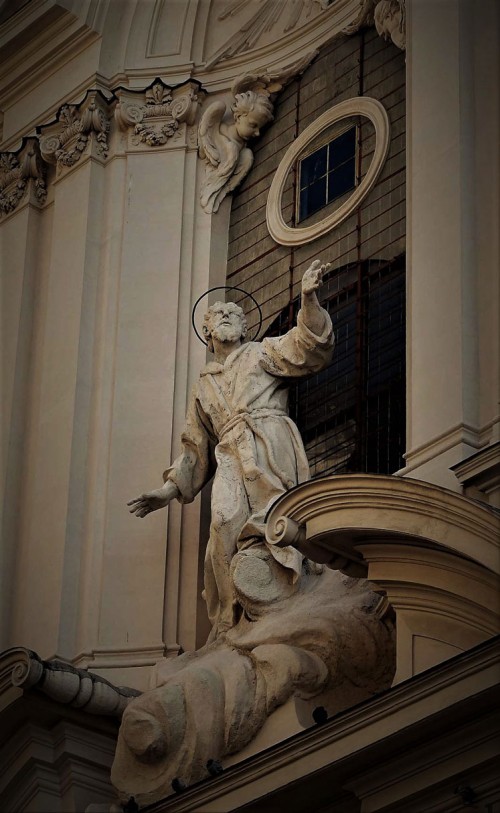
(155, 116)
(78, 129)
(22, 174)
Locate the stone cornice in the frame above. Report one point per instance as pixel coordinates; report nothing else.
(160, 116)
(59, 35)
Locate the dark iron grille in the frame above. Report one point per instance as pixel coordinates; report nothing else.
(352, 415)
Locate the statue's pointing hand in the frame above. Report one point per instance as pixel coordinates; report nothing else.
(153, 500)
(313, 277)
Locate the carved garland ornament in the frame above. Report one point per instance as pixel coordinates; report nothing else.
(17, 172)
(76, 125)
(158, 117)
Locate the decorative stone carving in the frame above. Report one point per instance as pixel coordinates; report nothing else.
(75, 129)
(435, 555)
(157, 116)
(265, 17)
(282, 626)
(388, 16)
(19, 172)
(390, 21)
(224, 132)
(65, 683)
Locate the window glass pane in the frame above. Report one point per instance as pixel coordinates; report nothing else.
(352, 415)
(341, 180)
(313, 167)
(313, 198)
(342, 148)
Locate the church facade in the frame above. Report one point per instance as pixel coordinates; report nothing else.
(133, 179)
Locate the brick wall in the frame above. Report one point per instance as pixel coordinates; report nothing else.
(362, 64)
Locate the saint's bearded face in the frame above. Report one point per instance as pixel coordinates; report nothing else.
(225, 322)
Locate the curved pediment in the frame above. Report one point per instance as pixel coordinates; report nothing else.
(338, 513)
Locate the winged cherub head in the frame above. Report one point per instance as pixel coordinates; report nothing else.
(251, 111)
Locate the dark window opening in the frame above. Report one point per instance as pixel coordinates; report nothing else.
(352, 415)
(327, 173)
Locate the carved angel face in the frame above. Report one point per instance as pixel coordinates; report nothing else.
(248, 124)
(251, 111)
(225, 322)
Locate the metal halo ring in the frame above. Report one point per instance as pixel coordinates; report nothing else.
(225, 288)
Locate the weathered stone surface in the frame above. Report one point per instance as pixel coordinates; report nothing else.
(282, 626)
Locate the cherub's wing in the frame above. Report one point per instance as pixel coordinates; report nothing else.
(211, 140)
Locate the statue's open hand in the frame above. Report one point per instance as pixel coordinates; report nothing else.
(313, 277)
(151, 501)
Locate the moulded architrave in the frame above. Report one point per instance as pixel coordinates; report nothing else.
(54, 759)
(363, 106)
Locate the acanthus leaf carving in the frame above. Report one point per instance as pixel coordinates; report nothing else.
(157, 118)
(19, 172)
(76, 126)
(225, 131)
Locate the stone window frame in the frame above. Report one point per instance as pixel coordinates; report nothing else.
(364, 106)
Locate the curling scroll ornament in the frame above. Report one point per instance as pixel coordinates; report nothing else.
(156, 114)
(79, 129)
(224, 132)
(21, 174)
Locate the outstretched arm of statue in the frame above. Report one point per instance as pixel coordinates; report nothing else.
(312, 312)
(153, 500)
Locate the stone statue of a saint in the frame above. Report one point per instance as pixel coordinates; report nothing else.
(282, 627)
(238, 428)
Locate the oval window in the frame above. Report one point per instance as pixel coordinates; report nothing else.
(327, 173)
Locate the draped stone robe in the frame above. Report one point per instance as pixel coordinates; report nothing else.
(237, 427)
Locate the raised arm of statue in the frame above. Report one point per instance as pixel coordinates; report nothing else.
(306, 348)
(312, 312)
